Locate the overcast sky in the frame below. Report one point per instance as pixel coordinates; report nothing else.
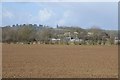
(83, 14)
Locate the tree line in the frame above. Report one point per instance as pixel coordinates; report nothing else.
(33, 33)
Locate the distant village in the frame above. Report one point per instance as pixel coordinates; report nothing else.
(80, 41)
(73, 35)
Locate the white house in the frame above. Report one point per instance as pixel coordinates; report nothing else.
(89, 33)
(53, 40)
(116, 41)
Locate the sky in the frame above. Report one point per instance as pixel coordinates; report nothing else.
(83, 14)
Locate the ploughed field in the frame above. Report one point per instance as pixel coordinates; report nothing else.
(59, 61)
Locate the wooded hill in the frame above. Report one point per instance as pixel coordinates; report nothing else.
(32, 33)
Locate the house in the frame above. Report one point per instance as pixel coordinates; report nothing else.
(89, 33)
(53, 40)
(116, 40)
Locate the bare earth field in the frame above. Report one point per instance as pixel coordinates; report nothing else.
(59, 61)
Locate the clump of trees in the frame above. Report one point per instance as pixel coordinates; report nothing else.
(32, 33)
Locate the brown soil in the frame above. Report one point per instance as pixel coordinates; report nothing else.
(59, 61)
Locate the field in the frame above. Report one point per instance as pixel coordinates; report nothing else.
(59, 61)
